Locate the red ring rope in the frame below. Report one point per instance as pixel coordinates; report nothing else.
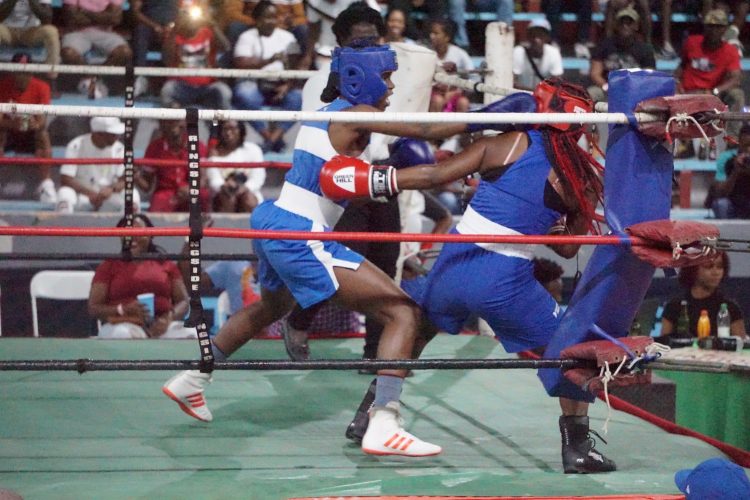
(330, 235)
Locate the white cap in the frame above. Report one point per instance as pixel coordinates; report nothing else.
(108, 124)
(540, 22)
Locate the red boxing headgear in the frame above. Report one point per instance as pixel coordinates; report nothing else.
(554, 95)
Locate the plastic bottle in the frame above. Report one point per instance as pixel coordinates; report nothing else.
(723, 321)
(704, 325)
(712, 149)
(702, 150)
(683, 321)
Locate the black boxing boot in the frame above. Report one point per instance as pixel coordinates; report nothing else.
(358, 425)
(578, 453)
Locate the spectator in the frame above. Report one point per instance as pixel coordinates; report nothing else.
(622, 51)
(553, 9)
(238, 189)
(701, 289)
(90, 25)
(153, 20)
(267, 47)
(729, 194)
(292, 17)
(28, 23)
(234, 18)
(27, 134)
(451, 59)
(321, 15)
(537, 59)
(193, 43)
(169, 185)
(643, 9)
(95, 187)
(711, 65)
(457, 12)
(432, 9)
(739, 11)
(549, 274)
(117, 283)
(395, 23)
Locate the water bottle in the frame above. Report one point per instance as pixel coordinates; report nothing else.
(723, 321)
(704, 325)
(683, 321)
(712, 149)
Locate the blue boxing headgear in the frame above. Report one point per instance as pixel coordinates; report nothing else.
(361, 72)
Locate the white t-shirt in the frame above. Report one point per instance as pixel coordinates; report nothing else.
(22, 16)
(550, 64)
(94, 176)
(248, 152)
(251, 44)
(459, 57)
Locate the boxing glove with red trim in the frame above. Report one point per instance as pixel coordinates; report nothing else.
(344, 177)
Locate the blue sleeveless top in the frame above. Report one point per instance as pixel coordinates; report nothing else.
(516, 199)
(312, 149)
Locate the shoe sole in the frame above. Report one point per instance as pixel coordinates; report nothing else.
(183, 406)
(388, 453)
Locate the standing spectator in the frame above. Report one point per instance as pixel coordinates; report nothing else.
(711, 65)
(117, 283)
(702, 290)
(193, 43)
(89, 24)
(95, 187)
(267, 47)
(28, 23)
(729, 194)
(622, 51)
(553, 9)
(451, 59)
(537, 59)
(238, 189)
(27, 133)
(457, 11)
(169, 185)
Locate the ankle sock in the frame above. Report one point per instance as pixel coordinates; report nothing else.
(387, 389)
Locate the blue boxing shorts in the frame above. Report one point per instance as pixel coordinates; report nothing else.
(305, 267)
(468, 280)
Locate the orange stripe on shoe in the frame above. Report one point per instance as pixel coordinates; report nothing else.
(397, 444)
(393, 438)
(407, 444)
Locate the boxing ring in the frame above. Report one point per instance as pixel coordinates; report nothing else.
(110, 433)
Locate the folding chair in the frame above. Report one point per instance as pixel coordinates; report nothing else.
(58, 285)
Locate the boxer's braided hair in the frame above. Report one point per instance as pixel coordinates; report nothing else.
(577, 170)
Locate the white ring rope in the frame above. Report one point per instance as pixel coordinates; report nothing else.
(156, 71)
(321, 116)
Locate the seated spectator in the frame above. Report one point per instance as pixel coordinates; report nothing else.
(271, 48)
(702, 290)
(97, 188)
(28, 23)
(739, 10)
(90, 25)
(432, 9)
(537, 59)
(193, 43)
(170, 185)
(553, 9)
(395, 23)
(292, 17)
(117, 283)
(729, 194)
(643, 9)
(621, 51)
(153, 20)
(235, 189)
(711, 65)
(27, 134)
(451, 59)
(457, 12)
(234, 18)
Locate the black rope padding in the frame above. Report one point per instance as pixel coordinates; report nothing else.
(84, 365)
(129, 174)
(117, 256)
(196, 318)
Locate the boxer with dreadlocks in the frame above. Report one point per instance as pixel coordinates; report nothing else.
(532, 183)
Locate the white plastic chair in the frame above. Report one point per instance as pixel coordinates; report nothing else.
(59, 285)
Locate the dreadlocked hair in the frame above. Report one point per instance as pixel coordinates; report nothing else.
(576, 168)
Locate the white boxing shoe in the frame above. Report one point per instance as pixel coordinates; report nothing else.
(186, 389)
(386, 436)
